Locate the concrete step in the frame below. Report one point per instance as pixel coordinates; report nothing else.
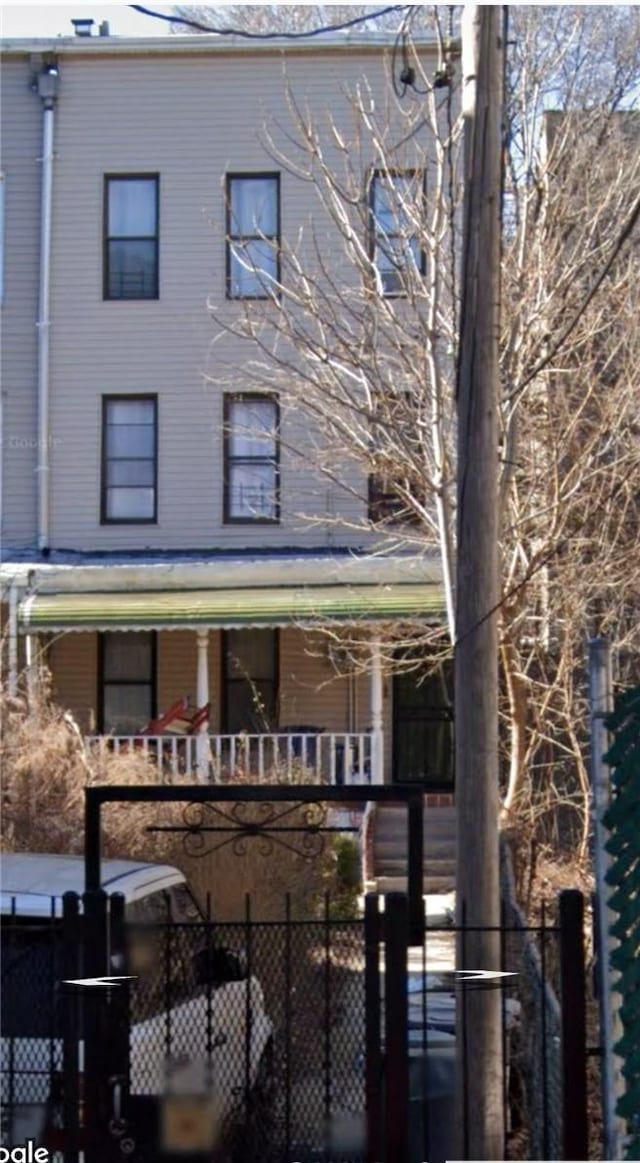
(433, 849)
(397, 865)
(399, 835)
(431, 884)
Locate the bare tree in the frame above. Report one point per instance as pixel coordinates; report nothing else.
(271, 19)
(361, 349)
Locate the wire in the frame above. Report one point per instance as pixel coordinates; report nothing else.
(268, 35)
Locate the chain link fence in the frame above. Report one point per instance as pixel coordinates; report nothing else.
(536, 1110)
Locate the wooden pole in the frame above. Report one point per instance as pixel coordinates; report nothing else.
(480, 1052)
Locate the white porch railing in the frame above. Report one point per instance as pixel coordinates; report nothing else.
(330, 757)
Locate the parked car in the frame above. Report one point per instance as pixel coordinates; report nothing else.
(198, 995)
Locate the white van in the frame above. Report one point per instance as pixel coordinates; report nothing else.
(167, 1036)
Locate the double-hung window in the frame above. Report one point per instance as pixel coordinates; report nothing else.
(253, 235)
(131, 236)
(396, 207)
(251, 441)
(127, 667)
(129, 459)
(397, 476)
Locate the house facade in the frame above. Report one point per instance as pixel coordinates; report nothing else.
(170, 548)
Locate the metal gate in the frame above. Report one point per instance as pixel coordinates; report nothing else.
(305, 1038)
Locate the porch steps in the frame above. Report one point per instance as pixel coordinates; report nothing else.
(388, 870)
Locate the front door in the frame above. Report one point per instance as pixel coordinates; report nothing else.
(250, 681)
(423, 729)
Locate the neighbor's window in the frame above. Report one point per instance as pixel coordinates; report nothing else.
(131, 237)
(253, 235)
(251, 428)
(129, 459)
(127, 666)
(396, 200)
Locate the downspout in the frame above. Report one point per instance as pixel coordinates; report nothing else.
(47, 86)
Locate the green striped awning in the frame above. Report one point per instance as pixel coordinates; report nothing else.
(267, 606)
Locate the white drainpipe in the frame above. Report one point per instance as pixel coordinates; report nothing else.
(47, 84)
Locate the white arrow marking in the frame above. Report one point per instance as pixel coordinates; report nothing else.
(107, 981)
(482, 974)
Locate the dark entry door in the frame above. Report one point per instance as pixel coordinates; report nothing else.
(423, 729)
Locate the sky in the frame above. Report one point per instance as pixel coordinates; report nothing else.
(25, 19)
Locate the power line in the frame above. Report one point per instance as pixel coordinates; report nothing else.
(269, 35)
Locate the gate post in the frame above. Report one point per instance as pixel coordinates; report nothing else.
(396, 1020)
(118, 1016)
(373, 1049)
(575, 1132)
(415, 877)
(70, 1026)
(96, 1033)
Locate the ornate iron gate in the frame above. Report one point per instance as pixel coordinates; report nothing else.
(323, 1050)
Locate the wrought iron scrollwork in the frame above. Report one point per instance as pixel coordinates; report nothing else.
(300, 828)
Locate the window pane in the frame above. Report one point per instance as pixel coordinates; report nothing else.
(254, 206)
(254, 269)
(252, 491)
(131, 412)
(251, 652)
(132, 269)
(130, 504)
(131, 474)
(126, 709)
(135, 440)
(252, 428)
(127, 656)
(132, 207)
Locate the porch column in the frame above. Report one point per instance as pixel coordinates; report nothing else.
(32, 662)
(376, 694)
(202, 698)
(13, 640)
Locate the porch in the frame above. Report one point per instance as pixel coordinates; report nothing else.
(284, 700)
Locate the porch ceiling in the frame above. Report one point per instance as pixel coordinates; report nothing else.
(230, 608)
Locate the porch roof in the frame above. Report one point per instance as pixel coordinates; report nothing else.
(232, 607)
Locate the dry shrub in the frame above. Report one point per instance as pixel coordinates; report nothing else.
(45, 770)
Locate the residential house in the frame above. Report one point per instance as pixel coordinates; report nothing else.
(153, 547)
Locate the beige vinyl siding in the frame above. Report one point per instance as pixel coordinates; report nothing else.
(20, 133)
(73, 660)
(190, 120)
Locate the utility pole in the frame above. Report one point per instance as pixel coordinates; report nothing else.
(480, 1065)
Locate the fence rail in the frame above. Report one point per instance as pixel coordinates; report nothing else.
(323, 757)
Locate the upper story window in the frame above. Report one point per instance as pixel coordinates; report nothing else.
(251, 469)
(396, 204)
(253, 235)
(129, 460)
(131, 237)
(397, 480)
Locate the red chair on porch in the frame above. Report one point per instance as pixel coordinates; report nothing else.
(177, 720)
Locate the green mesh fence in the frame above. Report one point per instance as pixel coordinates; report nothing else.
(623, 823)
